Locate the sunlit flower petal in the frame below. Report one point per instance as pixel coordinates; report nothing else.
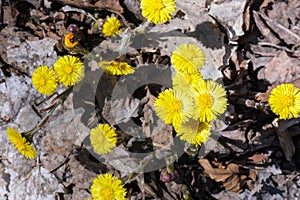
(70, 70)
(21, 143)
(158, 11)
(103, 138)
(173, 107)
(210, 101)
(111, 27)
(194, 132)
(108, 187)
(116, 68)
(186, 82)
(285, 101)
(44, 80)
(188, 58)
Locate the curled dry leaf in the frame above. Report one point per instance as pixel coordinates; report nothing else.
(264, 29)
(281, 69)
(282, 18)
(231, 176)
(258, 158)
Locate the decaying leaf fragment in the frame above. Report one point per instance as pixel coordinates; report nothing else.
(281, 69)
(231, 177)
(119, 110)
(113, 5)
(231, 15)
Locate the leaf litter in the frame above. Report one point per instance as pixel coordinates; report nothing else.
(252, 47)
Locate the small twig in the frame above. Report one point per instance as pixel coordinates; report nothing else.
(72, 9)
(275, 46)
(265, 54)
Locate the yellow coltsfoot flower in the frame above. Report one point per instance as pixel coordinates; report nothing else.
(108, 187)
(285, 101)
(188, 58)
(21, 143)
(194, 132)
(173, 107)
(116, 68)
(69, 70)
(210, 101)
(158, 11)
(186, 82)
(103, 138)
(111, 27)
(44, 80)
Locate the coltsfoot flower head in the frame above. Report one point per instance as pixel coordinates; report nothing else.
(285, 101)
(188, 58)
(194, 132)
(103, 138)
(21, 143)
(111, 27)
(116, 68)
(173, 106)
(69, 69)
(186, 82)
(70, 41)
(44, 80)
(210, 101)
(158, 11)
(108, 187)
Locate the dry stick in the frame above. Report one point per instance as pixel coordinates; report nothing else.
(58, 100)
(275, 46)
(68, 8)
(291, 33)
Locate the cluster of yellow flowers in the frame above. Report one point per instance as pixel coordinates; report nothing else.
(106, 186)
(156, 11)
(67, 70)
(193, 102)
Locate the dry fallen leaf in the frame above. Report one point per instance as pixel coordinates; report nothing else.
(113, 5)
(281, 69)
(282, 17)
(230, 176)
(258, 158)
(264, 29)
(219, 174)
(231, 15)
(120, 110)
